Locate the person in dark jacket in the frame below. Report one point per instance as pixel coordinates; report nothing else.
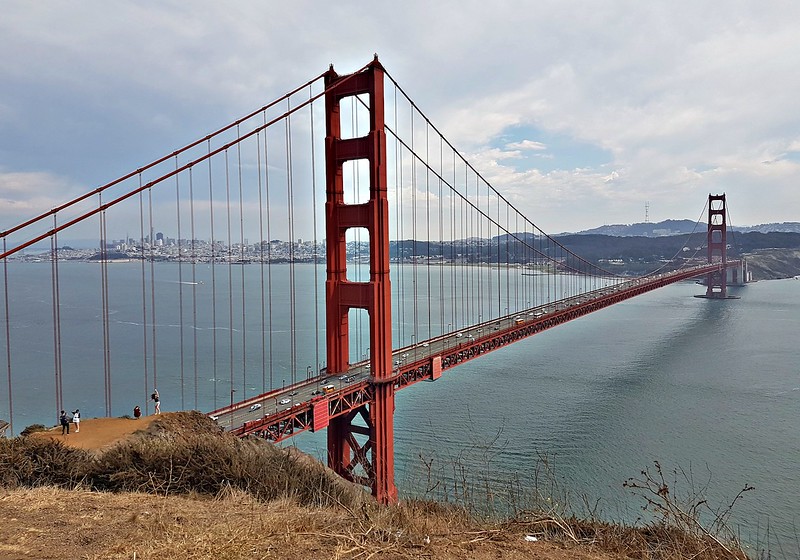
(64, 423)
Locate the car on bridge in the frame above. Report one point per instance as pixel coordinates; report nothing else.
(255, 406)
(284, 401)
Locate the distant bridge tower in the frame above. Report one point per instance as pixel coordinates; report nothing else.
(717, 286)
(345, 453)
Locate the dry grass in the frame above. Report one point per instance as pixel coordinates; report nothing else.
(181, 453)
(54, 523)
(186, 490)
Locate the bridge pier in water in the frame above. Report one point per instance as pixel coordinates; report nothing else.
(345, 452)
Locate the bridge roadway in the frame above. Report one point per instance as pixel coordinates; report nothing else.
(308, 405)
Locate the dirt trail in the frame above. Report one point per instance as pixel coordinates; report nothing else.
(97, 433)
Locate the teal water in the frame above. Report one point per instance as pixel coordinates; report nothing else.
(710, 387)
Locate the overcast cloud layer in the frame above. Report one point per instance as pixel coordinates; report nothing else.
(579, 112)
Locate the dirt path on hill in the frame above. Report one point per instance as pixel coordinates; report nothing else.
(97, 433)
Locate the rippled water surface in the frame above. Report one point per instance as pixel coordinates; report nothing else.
(710, 387)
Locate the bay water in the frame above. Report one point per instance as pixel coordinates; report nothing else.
(710, 388)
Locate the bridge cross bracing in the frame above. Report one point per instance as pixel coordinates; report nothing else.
(310, 273)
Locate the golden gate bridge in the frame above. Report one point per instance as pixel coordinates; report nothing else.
(427, 266)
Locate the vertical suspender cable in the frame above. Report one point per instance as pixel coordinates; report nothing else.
(261, 262)
(180, 283)
(153, 287)
(290, 202)
(428, 222)
(508, 260)
(516, 260)
(480, 260)
(465, 235)
(104, 307)
(441, 238)
(314, 223)
(269, 250)
(469, 303)
(8, 342)
(499, 277)
(458, 217)
(414, 231)
(488, 293)
(194, 284)
(230, 272)
(465, 267)
(453, 277)
(400, 250)
(56, 318)
(245, 260)
(213, 277)
(145, 362)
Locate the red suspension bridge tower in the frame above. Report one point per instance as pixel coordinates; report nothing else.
(717, 286)
(345, 452)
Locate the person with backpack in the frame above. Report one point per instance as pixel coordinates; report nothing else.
(64, 423)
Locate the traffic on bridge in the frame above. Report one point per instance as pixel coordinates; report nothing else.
(308, 405)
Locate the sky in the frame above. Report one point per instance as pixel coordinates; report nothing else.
(581, 113)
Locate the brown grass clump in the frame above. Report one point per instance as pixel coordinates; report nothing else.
(180, 453)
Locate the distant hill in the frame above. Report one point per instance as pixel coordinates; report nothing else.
(783, 227)
(645, 229)
(678, 227)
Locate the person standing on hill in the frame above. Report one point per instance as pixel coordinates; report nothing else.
(157, 399)
(76, 419)
(64, 423)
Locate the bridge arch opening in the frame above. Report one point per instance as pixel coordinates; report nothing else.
(358, 251)
(358, 334)
(354, 116)
(355, 181)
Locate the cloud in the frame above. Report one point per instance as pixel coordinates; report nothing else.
(92, 91)
(24, 195)
(526, 145)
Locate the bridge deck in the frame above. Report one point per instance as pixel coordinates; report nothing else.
(285, 412)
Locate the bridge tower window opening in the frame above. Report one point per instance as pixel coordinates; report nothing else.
(355, 178)
(358, 254)
(354, 116)
(358, 334)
